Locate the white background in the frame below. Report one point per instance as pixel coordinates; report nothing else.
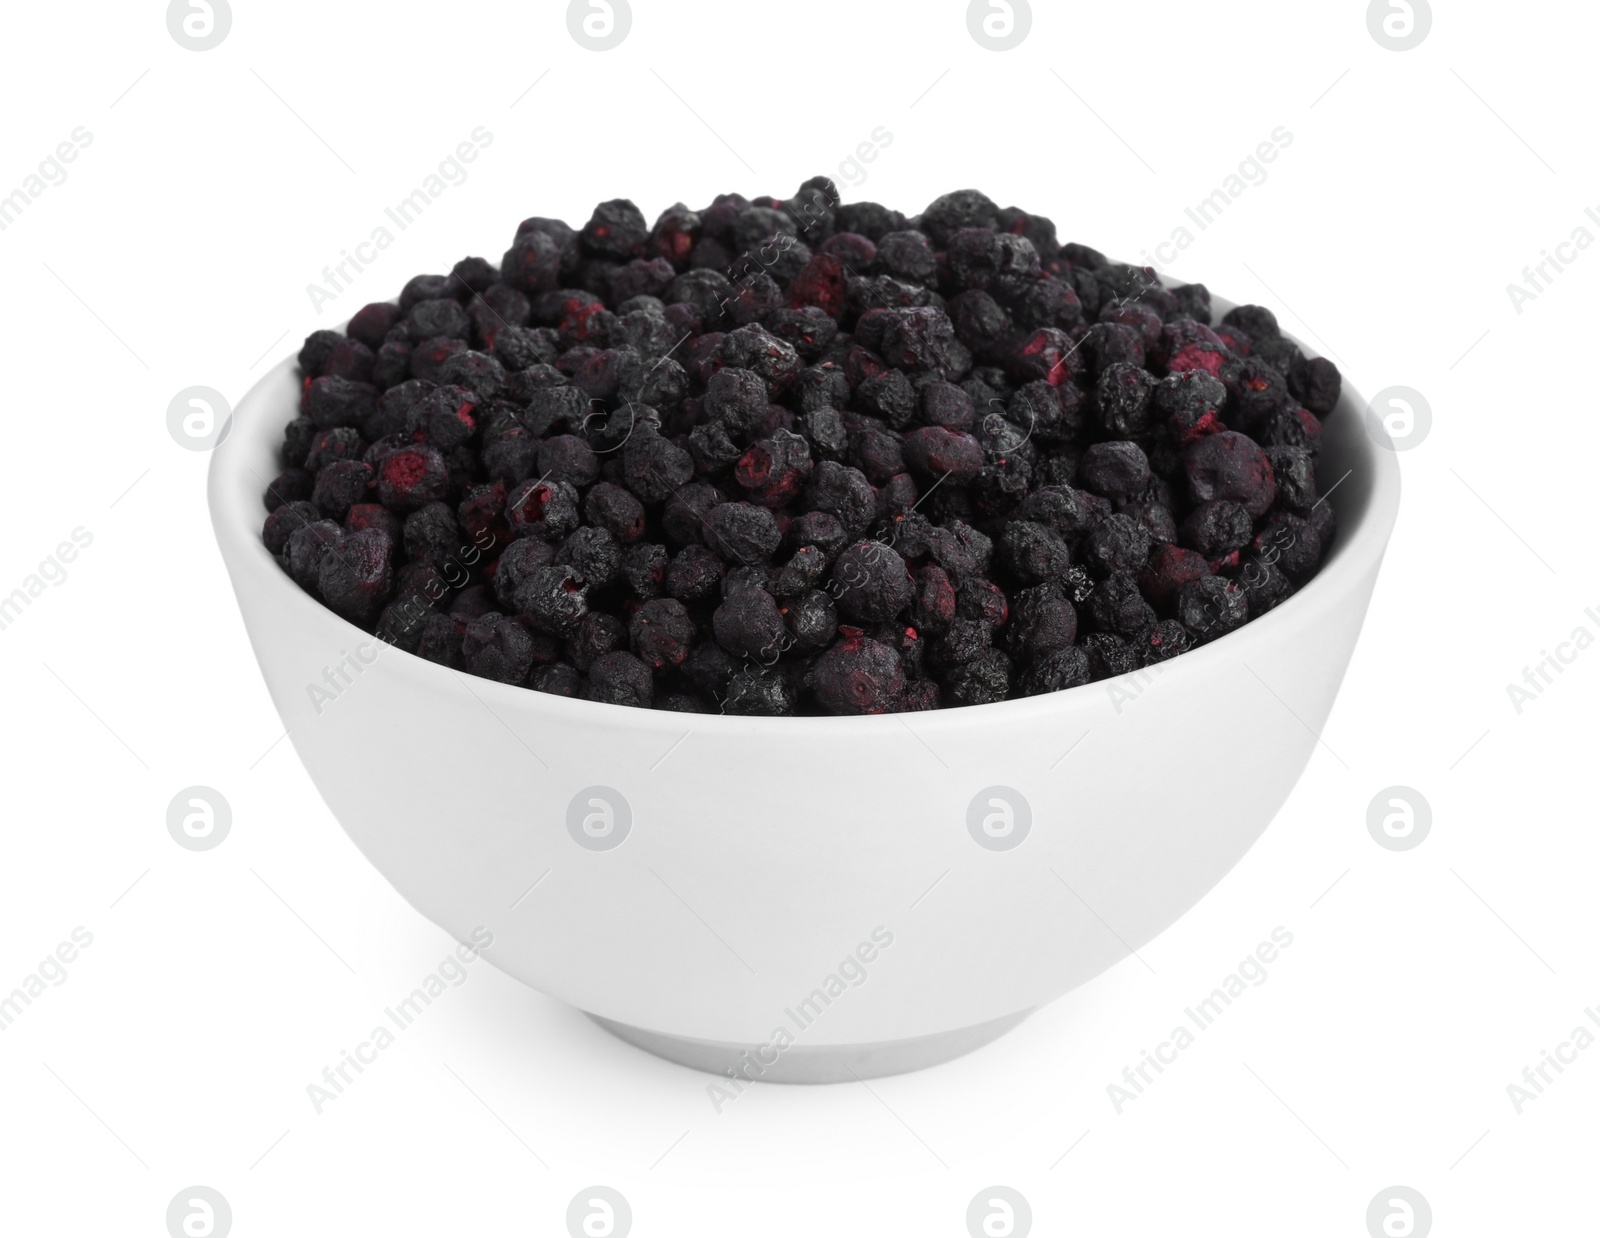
(177, 252)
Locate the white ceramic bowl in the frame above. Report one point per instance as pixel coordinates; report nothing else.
(740, 922)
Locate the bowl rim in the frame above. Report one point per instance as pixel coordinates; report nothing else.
(234, 487)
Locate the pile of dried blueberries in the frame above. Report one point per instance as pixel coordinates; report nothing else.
(787, 456)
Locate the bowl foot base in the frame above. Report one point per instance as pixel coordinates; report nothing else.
(801, 1063)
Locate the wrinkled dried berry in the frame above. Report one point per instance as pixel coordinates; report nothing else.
(858, 676)
(620, 679)
(1212, 606)
(496, 646)
(749, 624)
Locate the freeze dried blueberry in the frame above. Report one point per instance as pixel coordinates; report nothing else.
(742, 532)
(1109, 655)
(811, 619)
(950, 212)
(1256, 321)
(339, 443)
(1212, 606)
(905, 255)
(1290, 542)
(1315, 383)
(1194, 301)
(749, 624)
(429, 356)
(354, 576)
(1119, 543)
(340, 484)
(803, 571)
(615, 510)
(644, 568)
(481, 515)
(412, 477)
(1322, 517)
(1188, 346)
(1230, 466)
(475, 372)
(440, 638)
(421, 583)
(775, 469)
(595, 554)
(431, 535)
(821, 530)
(372, 322)
(496, 646)
(933, 601)
(842, 492)
(1265, 584)
(1071, 513)
(960, 549)
(1033, 552)
(1293, 427)
(1215, 528)
(1116, 605)
(553, 598)
(283, 522)
(1168, 570)
(594, 636)
(871, 582)
(1116, 470)
(1140, 317)
(984, 680)
(566, 457)
(851, 248)
(1049, 355)
(1191, 402)
(1256, 392)
(758, 691)
(289, 486)
(620, 679)
(316, 350)
(473, 602)
(1295, 475)
(653, 466)
(889, 396)
(547, 510)
(517, 563)
(945, 405)
(1165, 640)
(934, 452)
(661, 633)
(298, 437)
(1155, 519)
(1052, 672)
(981, 323)
(858, 676)
(1122, 399)
(557, 679)
(1049, 416)
(331, 402)
(442, 316)
(963, 641)
(533, 263)
(713, 449)
(684, 513)
(1110, 343)
(693, 573)
(520, 349)
(1042, 622)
